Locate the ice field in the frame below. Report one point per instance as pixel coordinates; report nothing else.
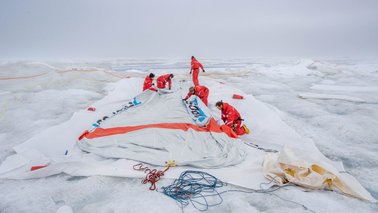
(333, 102)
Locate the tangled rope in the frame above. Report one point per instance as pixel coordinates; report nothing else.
(153, 175)
(196, 187)
(193, 187)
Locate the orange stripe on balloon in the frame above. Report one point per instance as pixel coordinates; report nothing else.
(101, 132)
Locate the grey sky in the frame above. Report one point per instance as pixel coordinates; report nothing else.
(181, 28)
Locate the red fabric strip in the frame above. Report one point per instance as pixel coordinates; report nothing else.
(101, 132)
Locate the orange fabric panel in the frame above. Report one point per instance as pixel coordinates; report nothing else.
(226, 129)
(101, 132)
(211, 127)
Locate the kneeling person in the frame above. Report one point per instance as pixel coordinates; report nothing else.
(231, 118)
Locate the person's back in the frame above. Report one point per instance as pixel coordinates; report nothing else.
(196, 64)
(163, 80)
(201, 91)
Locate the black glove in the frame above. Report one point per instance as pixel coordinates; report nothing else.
(203, 70)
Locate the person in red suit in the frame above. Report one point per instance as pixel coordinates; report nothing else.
(195, 65)
(163, 80)
(200, 91)
(231, 118)
(148, 82)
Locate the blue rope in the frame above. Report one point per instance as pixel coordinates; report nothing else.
(195, 187)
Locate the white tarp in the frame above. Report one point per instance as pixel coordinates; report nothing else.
(157, 127)
(56, 147)
(307, 169)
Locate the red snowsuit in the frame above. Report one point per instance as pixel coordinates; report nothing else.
(148, 84)
(163, 80)
(232, 119)
(200, 91)
(195, 69)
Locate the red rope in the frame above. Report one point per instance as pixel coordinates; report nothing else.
(152, 176)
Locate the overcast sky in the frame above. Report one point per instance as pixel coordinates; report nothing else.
(181, 28)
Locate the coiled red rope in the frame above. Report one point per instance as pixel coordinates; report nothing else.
(153, 176)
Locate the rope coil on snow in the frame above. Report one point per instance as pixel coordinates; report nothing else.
(152, 176)
(195, 187)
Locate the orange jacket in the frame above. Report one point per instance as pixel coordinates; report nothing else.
(163, 80)
(229, 114)
(195, 65)
(147, 83)
(200, 91)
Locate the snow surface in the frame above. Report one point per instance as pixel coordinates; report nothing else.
(342, 128)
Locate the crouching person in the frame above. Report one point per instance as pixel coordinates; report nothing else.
(200, 91)
(231, 118)
(164, 81)
(148, 82)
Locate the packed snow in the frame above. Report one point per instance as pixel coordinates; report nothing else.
(332, 102)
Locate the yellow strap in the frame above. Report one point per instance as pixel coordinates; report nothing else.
(170, 163)
(318, 169)
(329, 183)
(291, 172)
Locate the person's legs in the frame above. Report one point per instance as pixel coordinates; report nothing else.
(204, 99)
(195, 77)
(238, 128)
